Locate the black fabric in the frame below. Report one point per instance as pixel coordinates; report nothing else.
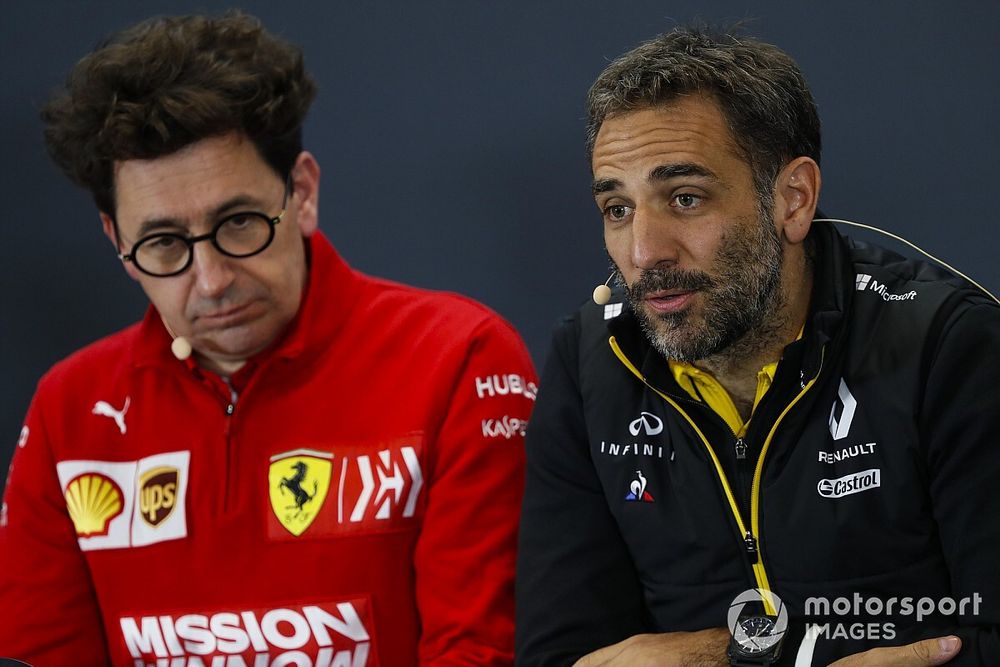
(916, 349)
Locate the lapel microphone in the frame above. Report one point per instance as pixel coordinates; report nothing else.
(180, 346)
(602, 293)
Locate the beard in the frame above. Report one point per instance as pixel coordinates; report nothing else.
(741, 297)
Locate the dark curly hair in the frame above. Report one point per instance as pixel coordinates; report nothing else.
(760, 90)
(168, 82)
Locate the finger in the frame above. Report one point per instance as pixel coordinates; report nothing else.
(926, 653)
(946, 649)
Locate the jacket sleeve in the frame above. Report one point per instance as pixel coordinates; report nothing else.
(48, 610)
(465, 555)
(960, 431)
(577, 589)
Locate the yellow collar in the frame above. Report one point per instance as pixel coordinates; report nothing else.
(703, 387)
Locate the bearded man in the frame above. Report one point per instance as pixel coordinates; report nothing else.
(767, 416)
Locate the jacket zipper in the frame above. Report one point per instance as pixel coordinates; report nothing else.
(233, 396)
(749, 541)
(751, 532)
(759, 472)
(227, 397)
(229, 481)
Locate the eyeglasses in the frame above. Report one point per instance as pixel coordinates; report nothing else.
(238, 235)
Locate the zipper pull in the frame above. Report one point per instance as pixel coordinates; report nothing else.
(233, 397)
(750, 542)
(741, 450)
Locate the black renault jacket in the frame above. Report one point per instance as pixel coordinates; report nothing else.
(870, 470)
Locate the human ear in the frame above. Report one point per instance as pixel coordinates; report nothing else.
(305, 183)
(111, 232)
(796, 197)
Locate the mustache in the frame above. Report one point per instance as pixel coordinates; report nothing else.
(657, 280)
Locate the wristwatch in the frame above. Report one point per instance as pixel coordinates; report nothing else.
(753, 643)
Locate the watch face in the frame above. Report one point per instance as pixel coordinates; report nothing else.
(754, 635)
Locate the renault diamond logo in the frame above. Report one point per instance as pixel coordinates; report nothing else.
(841, 426)
(648, 422)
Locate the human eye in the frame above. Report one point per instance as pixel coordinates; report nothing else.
(617, 212)
(242, 221)
(686, 201)
(162, 243)
(161, 253)
(243, 234)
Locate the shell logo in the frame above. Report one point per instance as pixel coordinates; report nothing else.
(93, 500)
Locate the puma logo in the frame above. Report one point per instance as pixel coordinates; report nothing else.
(104, 409)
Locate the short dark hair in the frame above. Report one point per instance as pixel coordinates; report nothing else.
(168, 82)
(759, 89)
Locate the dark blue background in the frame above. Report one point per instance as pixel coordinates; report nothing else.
(451, 140)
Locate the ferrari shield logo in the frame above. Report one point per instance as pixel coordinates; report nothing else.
(298, 482)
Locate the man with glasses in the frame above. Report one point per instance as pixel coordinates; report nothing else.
(285, 461)
(242, 234)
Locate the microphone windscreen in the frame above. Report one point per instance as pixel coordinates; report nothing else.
(181, 348)
(602, 294)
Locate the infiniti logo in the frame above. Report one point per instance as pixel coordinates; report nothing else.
(647, 422)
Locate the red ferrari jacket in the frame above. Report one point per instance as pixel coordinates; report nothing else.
(350, 497)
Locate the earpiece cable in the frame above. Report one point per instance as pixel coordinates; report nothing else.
(912, 245)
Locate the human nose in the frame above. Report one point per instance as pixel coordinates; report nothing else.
(653, 242)
(212, 270)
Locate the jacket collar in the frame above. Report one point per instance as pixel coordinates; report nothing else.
(832, 294)
(331, 292)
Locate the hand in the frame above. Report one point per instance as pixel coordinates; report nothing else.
(705, 648)
(919, 654)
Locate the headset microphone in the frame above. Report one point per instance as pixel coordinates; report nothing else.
(180, 346)
(602, 293)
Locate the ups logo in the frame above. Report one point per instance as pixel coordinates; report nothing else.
(157, 494)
